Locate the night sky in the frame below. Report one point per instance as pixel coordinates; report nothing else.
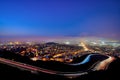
(60, 18)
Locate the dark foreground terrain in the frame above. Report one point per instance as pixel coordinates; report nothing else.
(11, 73)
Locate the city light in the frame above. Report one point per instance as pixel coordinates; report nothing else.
(67, 42)
(84, 46)
(60, 52)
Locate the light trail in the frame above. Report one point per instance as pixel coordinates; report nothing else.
(38, 69)
(104, 64)
(84, 46)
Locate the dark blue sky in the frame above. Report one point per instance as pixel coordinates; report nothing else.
(60, 18)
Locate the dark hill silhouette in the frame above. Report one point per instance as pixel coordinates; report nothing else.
(112, 73)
